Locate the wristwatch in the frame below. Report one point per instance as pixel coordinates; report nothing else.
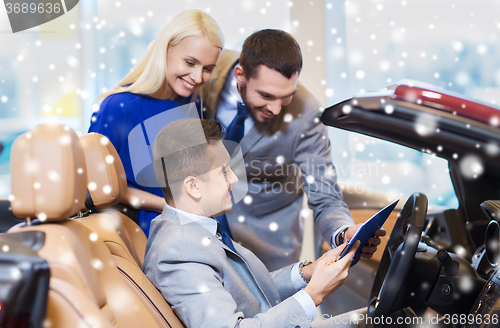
(341, 236)
(301, 273)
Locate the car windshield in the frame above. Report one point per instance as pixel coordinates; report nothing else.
(366, 163)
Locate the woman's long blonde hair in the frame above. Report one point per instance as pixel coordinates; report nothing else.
(150, 73)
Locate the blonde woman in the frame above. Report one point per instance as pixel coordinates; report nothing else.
(177, 63)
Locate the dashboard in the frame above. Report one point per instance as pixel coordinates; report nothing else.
(486, 310)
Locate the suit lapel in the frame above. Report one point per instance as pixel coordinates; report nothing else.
(252, 137)
(259, 273)
(243, 256)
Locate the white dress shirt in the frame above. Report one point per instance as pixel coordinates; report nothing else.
(228, 108)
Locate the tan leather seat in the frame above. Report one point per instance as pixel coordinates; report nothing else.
(87, 289)
(107, 187)
(124, 238)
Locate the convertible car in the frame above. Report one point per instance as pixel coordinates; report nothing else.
(71, 260)
(442, 261)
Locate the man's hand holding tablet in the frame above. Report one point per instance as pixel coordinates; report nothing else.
(368, 234)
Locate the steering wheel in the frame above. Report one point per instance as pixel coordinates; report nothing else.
(398, 255)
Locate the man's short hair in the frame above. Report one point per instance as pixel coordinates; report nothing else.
(182, 149)
(275, 49)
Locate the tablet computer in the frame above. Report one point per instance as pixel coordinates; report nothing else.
(367, 230)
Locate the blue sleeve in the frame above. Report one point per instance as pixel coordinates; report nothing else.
(109, 120)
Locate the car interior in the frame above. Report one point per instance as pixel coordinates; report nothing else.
(444, 261)
(84, 269)
(71, 259)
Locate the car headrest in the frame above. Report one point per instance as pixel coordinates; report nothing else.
(107, 182)
(48, 172)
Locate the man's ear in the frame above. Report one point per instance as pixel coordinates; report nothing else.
(239, 74)
(191, 186)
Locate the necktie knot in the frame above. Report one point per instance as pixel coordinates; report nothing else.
(242, 110)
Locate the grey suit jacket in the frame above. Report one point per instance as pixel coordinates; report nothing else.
(208, 285)
(284, 159)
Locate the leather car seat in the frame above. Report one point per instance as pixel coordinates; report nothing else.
(107, 187)
(124, 238)
(86, 288)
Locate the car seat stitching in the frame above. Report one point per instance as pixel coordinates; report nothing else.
(70, 304)
(145, 295)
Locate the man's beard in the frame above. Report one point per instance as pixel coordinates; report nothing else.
(242, 88)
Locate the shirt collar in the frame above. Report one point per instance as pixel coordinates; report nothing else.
(233, 90)
(185, 217)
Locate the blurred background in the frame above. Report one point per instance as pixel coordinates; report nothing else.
(53, 72)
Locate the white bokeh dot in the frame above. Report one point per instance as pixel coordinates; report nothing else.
(203, 288)
(494, 120)
(135, 201)
(205, 241)
(93, 236)
(104, 141)
(360, 146)
(97, 264)
(53, 176)
(273, 226)
(492, 149)
(471, 166)
(110, 159)
(106, 189)
(92, 186)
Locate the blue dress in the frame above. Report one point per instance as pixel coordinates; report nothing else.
(131, 122)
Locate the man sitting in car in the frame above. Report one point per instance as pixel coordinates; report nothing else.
(209, 280)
